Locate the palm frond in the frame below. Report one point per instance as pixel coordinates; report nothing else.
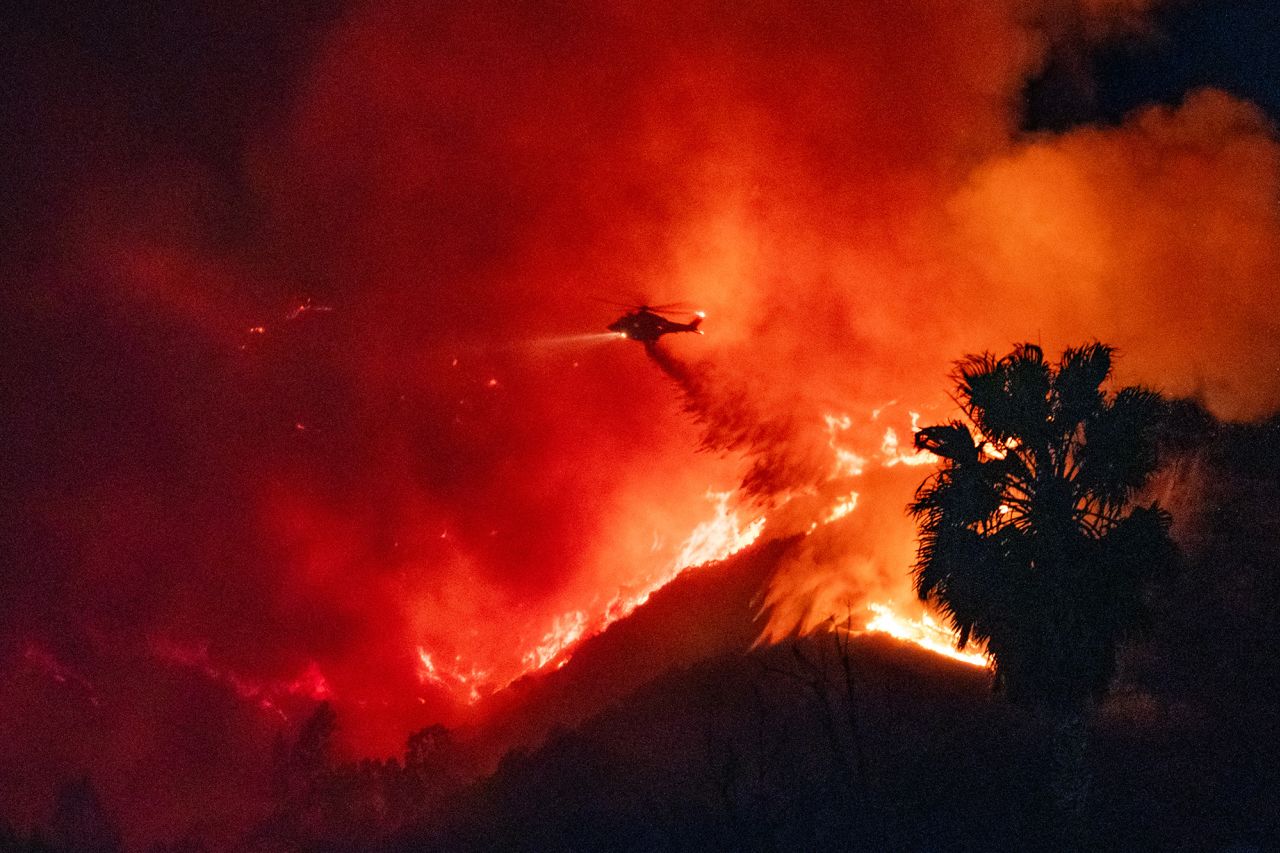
(1006, 398)
(1028, 380)
(1032, 553)
(1119, 451)
(950, 441)
(1077, 385)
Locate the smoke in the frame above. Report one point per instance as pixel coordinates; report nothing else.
(224, 496)
(1159, 236)
(732, 422)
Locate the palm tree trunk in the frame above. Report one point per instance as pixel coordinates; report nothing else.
(1070, 777)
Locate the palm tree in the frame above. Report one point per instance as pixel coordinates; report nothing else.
(1030, 539)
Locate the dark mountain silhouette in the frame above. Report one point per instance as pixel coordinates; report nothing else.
(705, 612)
(735, 753)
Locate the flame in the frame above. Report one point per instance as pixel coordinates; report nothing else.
(894, 456)
(567, 629)
(924, 632)
(714, 539)
(717, 538)
(848, 463)
(826, 594)
(994, 451)
(843, 507)
(472, 681)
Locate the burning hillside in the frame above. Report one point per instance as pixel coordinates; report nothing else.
(315, 398)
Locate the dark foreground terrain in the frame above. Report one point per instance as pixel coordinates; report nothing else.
(745, 754)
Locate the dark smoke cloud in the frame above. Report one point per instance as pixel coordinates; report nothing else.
(294, 398)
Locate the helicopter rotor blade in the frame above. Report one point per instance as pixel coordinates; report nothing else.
(664, 308)
(682, 307)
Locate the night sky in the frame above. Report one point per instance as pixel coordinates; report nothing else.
(303, 377)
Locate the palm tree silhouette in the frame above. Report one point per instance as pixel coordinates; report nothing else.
(1030, 540)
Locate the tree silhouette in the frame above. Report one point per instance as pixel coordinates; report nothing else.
(1030, 539)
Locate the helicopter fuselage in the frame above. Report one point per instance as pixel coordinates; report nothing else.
(647, 326)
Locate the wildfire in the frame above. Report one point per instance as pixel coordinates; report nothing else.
(720, 536)
(842, 429)
(843, 507)
(848, 463)
(565, 631)
(893, 454)
(924, 632)
(716, 538)
(474, 682)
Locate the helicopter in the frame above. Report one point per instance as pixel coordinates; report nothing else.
(646, 323)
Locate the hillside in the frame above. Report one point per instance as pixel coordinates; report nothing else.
(741, 753)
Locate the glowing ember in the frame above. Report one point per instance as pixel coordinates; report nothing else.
(48, 663)
(924, 632)
(306, 306)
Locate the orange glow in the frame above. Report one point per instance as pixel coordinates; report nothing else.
(826, 333)
(718, 537)
(327, 398)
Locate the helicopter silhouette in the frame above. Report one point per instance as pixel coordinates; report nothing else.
(647, 323)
